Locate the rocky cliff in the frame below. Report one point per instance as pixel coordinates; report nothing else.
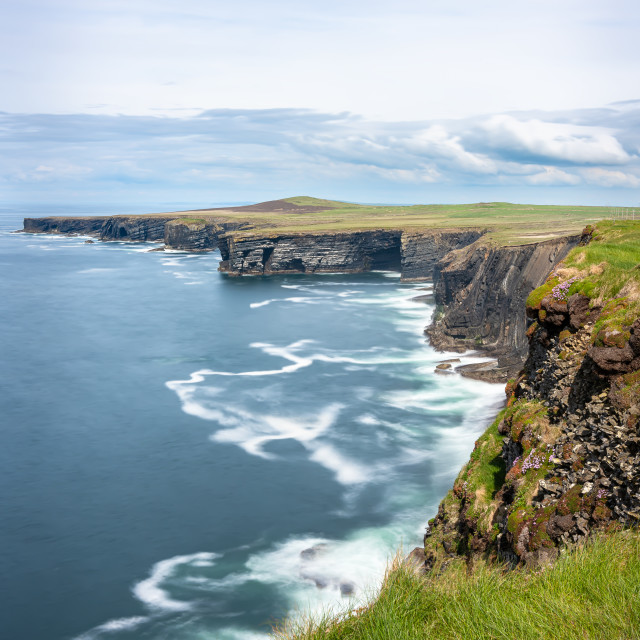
(196, 234)
(90, 226)
(310, 253)
(414, 254)
(563, 459)
(145, 228)
(480, 291)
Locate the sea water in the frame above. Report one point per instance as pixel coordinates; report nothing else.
(187, 455)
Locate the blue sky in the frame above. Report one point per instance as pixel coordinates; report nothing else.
(196, 103)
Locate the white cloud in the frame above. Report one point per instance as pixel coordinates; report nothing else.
(608, 178)
(44, 172)
(426, 175)
(552, 176)
(556, 141)
(437, 142)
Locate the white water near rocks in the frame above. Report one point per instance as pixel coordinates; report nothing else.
(194, 456)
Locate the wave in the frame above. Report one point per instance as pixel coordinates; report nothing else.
(150, 591)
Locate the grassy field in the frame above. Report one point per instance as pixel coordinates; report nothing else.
(592, 593)
(506, 223)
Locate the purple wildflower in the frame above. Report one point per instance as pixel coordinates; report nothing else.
(560, 291)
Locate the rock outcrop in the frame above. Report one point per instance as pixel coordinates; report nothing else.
(351, 252)
(422, 251)
(414, 254)
(480, 293)
(147, 228)
(563, 459)
(86, 226)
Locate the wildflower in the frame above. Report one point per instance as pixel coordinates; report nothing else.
(560, 291)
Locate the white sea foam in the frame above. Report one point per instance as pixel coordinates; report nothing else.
(113, 626)
(153, 592)
(252, 431)
(347, 471)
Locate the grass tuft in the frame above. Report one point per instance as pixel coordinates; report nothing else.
(592, 592)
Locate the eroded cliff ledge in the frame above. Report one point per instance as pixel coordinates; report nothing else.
(412, 254)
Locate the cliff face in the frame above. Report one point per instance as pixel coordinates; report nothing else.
(190, 236)
(330, 252)
(421, 252)
(90, 226)
(413, 254)
(563, 459)
(124, 228)
(134, 228)
(481, 290)
(196, 235)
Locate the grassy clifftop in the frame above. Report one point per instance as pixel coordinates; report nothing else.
(591, 593)
(505, 222)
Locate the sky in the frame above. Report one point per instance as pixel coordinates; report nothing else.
(201, 102)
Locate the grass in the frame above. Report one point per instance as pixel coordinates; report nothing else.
(505, 223)
(591, 593)
(200, 221)
(607, 271)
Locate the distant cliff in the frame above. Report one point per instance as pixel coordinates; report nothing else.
(179, 233)
(414, 255)
(147, 228)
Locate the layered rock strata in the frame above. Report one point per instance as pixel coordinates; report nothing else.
(318, 253)
(414, 254)
(89, 226)
(480, 293)
(122, 228)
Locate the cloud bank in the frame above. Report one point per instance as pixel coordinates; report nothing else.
(581, 156)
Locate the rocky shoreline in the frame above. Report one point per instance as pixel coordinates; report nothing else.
(474, 313)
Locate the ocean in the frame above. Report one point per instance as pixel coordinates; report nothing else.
(187, 455)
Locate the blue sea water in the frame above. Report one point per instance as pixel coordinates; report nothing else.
(185, 455)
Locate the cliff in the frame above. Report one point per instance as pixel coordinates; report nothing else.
(480, 291)
(474, 313)
(90, 226)
(414, 254)
(310, 253)
(563, 459)
(147, 228)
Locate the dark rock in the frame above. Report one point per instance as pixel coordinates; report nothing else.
(578, 306)
(613, 359)
(482, 290)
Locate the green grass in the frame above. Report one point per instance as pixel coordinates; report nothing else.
(607, 270)
(590, 593)
(200, 221)
(504, 222)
